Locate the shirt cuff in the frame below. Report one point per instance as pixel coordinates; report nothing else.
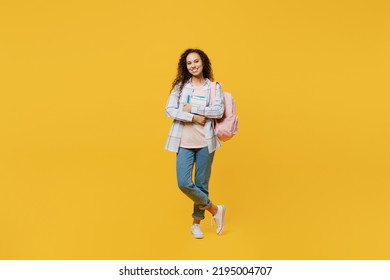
(189, 117)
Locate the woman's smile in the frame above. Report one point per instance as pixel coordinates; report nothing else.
(194, 70)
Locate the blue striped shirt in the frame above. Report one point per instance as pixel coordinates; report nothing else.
(174, 109)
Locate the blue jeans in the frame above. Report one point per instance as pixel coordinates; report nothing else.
(198, 192)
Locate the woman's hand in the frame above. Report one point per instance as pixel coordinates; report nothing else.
(199, 119)
(187, 108)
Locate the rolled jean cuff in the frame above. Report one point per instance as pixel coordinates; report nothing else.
(206, 206)
(197, 218)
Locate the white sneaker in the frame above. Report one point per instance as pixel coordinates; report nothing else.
(196, 231)
(219, 218)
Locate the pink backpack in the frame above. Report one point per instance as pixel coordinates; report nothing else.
(227, 126)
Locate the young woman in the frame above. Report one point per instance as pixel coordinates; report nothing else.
(192, 134)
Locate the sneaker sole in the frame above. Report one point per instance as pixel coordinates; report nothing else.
(223, 220)
(197, 236)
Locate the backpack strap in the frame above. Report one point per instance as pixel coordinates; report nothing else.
(213, 91)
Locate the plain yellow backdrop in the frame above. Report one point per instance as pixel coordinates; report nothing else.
(83, 86)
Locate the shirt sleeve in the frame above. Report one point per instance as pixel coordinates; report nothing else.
(174, 109)
(213, 111)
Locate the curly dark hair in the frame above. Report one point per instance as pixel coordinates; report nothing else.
(182, 72)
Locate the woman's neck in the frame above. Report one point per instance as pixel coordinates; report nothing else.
(198, 81)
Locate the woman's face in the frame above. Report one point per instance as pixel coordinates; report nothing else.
(194, 64)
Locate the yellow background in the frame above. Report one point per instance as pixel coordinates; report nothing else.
(83, 88)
